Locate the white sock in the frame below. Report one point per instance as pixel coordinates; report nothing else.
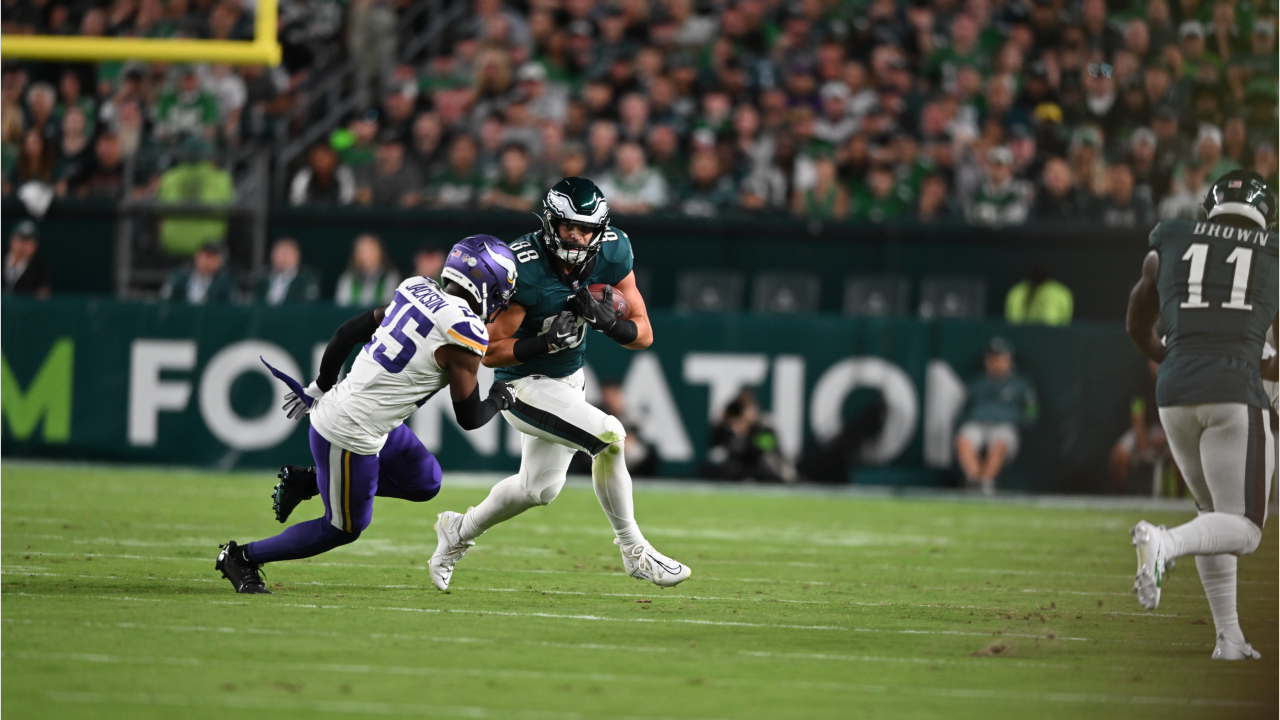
(612, 483)
(1218, 575)
(506, 500)
(1213, 533)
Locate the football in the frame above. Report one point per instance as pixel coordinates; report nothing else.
(620, 305)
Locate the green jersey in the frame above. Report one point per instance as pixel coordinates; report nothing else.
(544, 292)
(1218, 295)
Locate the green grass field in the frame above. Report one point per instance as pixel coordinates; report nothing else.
(800, 606)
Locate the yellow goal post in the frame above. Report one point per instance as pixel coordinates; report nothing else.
(262, 50)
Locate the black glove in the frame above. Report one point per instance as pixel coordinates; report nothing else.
(599, 315)
(563, 331)
(502, 394)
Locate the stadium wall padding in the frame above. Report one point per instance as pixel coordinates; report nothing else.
(175, 384)
(1099, 265)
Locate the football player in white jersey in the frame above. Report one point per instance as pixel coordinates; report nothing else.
(428, 337)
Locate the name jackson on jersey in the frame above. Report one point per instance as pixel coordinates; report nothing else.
(397, 370)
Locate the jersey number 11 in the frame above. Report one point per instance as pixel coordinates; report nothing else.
(1198, 255)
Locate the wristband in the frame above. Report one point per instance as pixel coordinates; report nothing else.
(526, 349)
(623, 332)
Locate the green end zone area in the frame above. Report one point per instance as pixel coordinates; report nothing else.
(800, 606)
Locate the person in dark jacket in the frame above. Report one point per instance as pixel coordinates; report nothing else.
(743, 447)
(1001, 403)
(24, 272)
(205, 281)
(288, 282)
(1058, 198)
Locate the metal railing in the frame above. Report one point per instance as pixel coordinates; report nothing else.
(339, 94)
(136, 277)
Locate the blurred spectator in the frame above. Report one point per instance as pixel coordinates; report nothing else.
(1058, 198)
(880, 199)
(1122, 207)
(601, 143)
(1144, 442)
(71, 96)
(1000, 404)
(632, 187)
(369, 279)
(826, 199)
(1039, 300)
(743, 447)
(74, 147)
(458, 185)
(186, 109)
(516, 188)
(1001, 200)
(1208, 151)
(25, 272)
(428, 263)
(204, 281)
(41, 101)
(195, 179)
(102, 176)
(1264, 162)
(934, 205)
(1260, 62)
(1189, 191)
(708, 192)
(323, 182)
(288, 281)
(36, 160)
(355, 145)
(389, 180)
(371, 41)
(427, 151)
(546, 101)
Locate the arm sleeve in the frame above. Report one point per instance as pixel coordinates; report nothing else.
(473, 412)
(353, 332)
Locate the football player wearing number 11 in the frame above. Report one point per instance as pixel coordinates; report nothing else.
(1214, 283)
(538, 347)
(428, 337)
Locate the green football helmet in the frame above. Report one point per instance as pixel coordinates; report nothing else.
(1244, 193)
(575, 200)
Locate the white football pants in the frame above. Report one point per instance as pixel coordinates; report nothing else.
(557, 421)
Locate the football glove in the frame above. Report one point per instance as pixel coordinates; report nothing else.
(296, 405)
(563, 331)
(502, 394)
(599, 315)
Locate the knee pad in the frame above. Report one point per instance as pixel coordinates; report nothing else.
(1253, 536)
(544, 487)
(613, 432)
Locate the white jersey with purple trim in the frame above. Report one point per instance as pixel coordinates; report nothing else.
(396, 371)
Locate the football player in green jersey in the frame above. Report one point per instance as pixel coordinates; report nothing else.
(1214, 285)
(537, 346)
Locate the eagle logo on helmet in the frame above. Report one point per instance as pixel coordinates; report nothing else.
(576, 200)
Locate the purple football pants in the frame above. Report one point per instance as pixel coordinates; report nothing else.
(348, 482)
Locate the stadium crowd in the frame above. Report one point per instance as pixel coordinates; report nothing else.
(997, 113)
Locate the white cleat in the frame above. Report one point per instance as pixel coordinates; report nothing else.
(449, 550)
(1153, 563)
(642, 562)
(1227, 650)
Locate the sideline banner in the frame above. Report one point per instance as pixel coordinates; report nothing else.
(100, 379)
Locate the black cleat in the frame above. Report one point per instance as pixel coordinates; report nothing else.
(296, 484)
(245, 577)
